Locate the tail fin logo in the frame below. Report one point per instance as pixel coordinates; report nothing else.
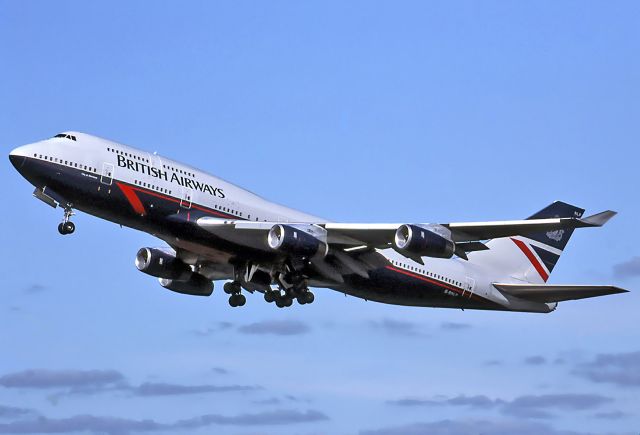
(555, 235)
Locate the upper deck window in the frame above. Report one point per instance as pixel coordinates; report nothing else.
(66, 136)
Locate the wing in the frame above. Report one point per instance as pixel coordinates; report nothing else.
(346, 240)
(467, 235)
(556, 293)
(380, 235)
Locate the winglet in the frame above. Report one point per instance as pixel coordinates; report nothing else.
(599, 219)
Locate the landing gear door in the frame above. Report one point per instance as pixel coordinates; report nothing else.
(186, 198)
(106, 177)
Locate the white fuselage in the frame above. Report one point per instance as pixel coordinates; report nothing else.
(107, 163)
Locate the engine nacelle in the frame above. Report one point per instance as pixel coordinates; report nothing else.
(304, 240)
(197, 285)
(425, 241)
(161, 264)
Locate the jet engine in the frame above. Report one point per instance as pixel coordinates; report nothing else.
(197, 285)
(424, 241)
(161, 264)
(301, 240)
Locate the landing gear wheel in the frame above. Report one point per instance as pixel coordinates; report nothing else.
(301, 300)
(241, 300)
(288, 302)
(269, 296)
(232, 287)
(69, 227)
(65, 228)
(308, 297)
(228, 288)
(233, 301)
(280, 303)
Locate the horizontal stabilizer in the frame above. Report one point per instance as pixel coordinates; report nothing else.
(556, 293)
(599, 219)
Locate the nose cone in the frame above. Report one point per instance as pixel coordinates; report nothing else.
(17, 157)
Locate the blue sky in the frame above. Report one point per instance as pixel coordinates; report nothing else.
(356, 111)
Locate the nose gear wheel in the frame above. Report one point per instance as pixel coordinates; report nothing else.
(66, 226)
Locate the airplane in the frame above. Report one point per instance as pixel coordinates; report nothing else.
(216, 230)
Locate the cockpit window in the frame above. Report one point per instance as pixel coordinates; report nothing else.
(66, 136)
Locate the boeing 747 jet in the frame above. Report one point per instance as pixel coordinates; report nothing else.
(216, 230)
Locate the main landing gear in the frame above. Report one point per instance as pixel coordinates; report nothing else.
(66, 226)
(234, 289)
(290, 287)
(286, 298)
(282, 297)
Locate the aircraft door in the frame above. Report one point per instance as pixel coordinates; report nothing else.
(470, 286)
(155, 161)
(106, 177)
(186, 198)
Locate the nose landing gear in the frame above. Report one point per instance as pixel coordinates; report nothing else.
(66, 226)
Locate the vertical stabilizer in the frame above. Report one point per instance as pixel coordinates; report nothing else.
(530, 257)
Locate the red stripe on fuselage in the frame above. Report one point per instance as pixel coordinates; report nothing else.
(177, 201)
(132, 198)
(532, 258)
(438, 283)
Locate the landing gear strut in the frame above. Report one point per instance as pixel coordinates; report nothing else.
(66, 226)
(236, 298)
